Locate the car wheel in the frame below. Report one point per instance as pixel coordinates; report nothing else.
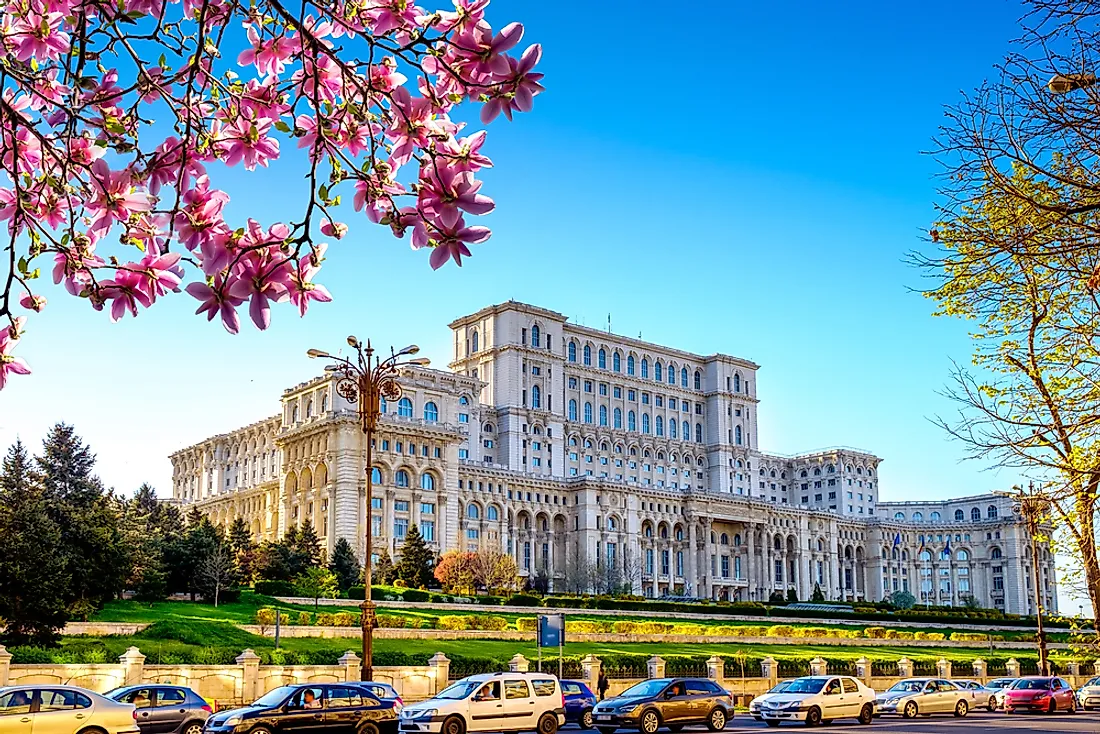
(813, 716)
(192, 727)
(961, 708)
(586, 719)
(548, 724)
(650, 722)
(717, 720)
(1073, 705)
(368, 728)
(454, 725)
(1053, 707)
(992, 705)
(910, 710)
(866, 714)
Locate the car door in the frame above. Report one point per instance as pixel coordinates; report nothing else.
(700, 699)
(487, 708)
(832, 699)
(61, 711)
(15, 711)
(344, 709)
(143, 700)
(519, 706)
(304, 713)
(169, 711)
(853, 701)
(1063, 694)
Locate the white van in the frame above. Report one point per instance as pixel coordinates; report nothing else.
(490, 702)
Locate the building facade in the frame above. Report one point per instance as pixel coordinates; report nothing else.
(602, 461)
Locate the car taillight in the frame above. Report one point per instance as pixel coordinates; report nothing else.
(400, 702)
(206, 707)
(134, 712)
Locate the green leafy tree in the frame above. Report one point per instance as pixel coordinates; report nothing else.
(792, 595)
(902, 599)
(34, 575)
(818, 596)
(217, 570)
(344, 565)
(317, 583)
(415, 567)
(383, 571)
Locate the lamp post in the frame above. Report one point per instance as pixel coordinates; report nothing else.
(1066, 83)
(1032, 506)
(365, 380)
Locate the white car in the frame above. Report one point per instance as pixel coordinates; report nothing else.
(1088, 695)
(490, 702)
(816, 699)
(924, 696)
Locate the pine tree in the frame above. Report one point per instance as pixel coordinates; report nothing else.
(383, 570)
(309, 544)
(244, 550)
(345, 565)
(33, 576)
(415, 567)
(818, 595)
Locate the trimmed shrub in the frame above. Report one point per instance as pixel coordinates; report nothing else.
(694, 630)
(875, 633)
(265, 617)
(523, 600)
(587, 627)
(780, 630)
(527, 624)
(416, 595)
(454, 622)
(391, 621)
(276, 588)
(305, 619)
(489, 622)
(325, 619)
(345, 619)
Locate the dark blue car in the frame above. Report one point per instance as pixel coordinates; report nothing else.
(579, 702)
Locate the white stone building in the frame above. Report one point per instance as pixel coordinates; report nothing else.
(594, 459)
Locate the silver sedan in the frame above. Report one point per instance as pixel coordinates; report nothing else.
(923, 696)
(57, 709)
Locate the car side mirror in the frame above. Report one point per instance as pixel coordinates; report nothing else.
(669, 694)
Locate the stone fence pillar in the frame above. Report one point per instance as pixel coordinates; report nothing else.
(980, 668)
(943, 668)
(1073, 669)
(1012, 668)
(5, 666)
(133, 664)
(817, 666)
(250, 681)
(353, 669)
(1096, 668)
(716, 670)
(905, 668)
(863, 670)
(655, 667)
(769, 669)
(591, 665)
(441, 666)
(518, 664)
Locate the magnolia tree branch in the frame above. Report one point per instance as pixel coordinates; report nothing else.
(118, 116)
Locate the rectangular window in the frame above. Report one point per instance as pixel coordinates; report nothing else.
(725, 567)
(463, 418)
(603, 389)
(427, 530)
(617, 392)
(401, 505)
(464, 453)
(376, 526)
(535, 371)
(472, 533)
(645, 398)
(588, 385)
(664, 562)
(400, 527)
(631, 395)
(572, 383)
(376, 503)
(427, 508)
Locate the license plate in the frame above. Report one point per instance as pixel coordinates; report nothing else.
(603, 718)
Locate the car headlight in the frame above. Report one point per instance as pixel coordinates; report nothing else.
(232, 721)
(421, 713)
(754, 705)
(791, 705)
(629, 709)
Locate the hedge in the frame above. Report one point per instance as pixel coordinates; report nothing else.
(275, 588)
(473, 622)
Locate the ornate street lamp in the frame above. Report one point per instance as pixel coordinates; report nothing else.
(1033, 506)
(365, 381)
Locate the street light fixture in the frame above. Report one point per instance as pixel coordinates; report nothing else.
(1066, 83)
(1032, 506)
(365, 381)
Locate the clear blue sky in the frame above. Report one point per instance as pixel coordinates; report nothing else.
(738, 180)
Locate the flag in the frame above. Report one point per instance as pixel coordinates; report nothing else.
(947, 549)
(897, 540)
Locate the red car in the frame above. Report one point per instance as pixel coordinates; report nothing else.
(1040, 693)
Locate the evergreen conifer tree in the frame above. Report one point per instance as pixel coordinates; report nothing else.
(383, 571)
(415, 567)
(345, 565)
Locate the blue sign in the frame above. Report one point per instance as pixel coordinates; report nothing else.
(551, 630)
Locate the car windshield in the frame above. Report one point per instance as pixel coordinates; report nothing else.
(1000, 683)
(645, 689)
(781, 687)
(908, 686)
(274, 698)
(806, 685)
(1032, 684)
(1093, 682)
(460, 690)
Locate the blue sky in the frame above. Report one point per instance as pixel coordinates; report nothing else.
(736, 180)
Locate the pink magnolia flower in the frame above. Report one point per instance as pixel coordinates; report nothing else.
(409, 125)
(32, 302)
(449, 235)
(39, 37)
(386, 16)
(467, 13)
(268, 56)
(464, 154)
(443, 188)
(334, 229)
(74, 265)
(262, 282)
(217, 301)
(126, 291)
(114, 196)
(485, 53)
(248, 141)
(519, 92)
(200, 214)
(375, 193)
(9, 363)
(303, 290)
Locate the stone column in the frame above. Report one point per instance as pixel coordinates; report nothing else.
(692, 579)
(441, 667)
(750, 574)
(863, 670)
(980, 669)
(769, 669)
(1073, 669)
(5, 666)
(591, 665)
(518, 664)
(1012, 668)
(943, 668)
(655, 667)
(716, 670)
(905, 668)
(250, 682)
(1096, 668)
(133, 663)
(818, 666)
(351, 663)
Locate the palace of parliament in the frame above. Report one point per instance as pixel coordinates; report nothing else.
(599, 459)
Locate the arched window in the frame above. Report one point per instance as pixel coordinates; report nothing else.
(724, 539)
(975, 514)
(375, 476)
(934, 517)
(645, 368)
(698, 380)
(899, 515)
(918, 517)
(737, 436)
(324, 403)
(672, 428)
(991, 512)
(671, 375)
(536, 397)
(630, 364)
(473, 338)
(683, 377)
(686, 430)
(405, 408)
(401, 478)
(645, 422)
(603, 415)
(535, 336)
(618, 417)
(648, 532)
(698, 433)
(616, 362)
(601, 359)
(588, 412)
(472, 511)
(588, 355)
(611, 524)
(660, 426)
(679, 533)
(631, 423)
(995, 553)
(488, 428)
(572, 410)
(572, 351)
(431, 412)
(737, 383)
(959, 515)
(427, 481)
(309, 409)
(737, 539)
(925, 556)
(294, 414)
(492, 513)
(463, 400)
(658, 372)
(962, 555)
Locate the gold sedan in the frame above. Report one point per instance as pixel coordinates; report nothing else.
(56, 709)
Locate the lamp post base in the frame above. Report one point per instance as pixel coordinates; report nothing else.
(369, 623)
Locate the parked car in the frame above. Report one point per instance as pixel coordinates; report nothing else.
(491, 702)
(999, 687)
(58, 709)
(980, 696)
(670, 702)
(1088, 695)
(763, 698)
(579, 702)
(164, 709)
(385, 691)
(817, 699)
(914, 696)
(1040, 693)
(336, 708)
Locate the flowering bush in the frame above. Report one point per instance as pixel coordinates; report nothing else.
(117, 117)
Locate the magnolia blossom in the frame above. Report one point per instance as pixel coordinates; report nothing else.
(9, 363)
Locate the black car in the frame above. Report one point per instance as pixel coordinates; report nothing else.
(162, 709)
(311, 708)
(669, 702)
